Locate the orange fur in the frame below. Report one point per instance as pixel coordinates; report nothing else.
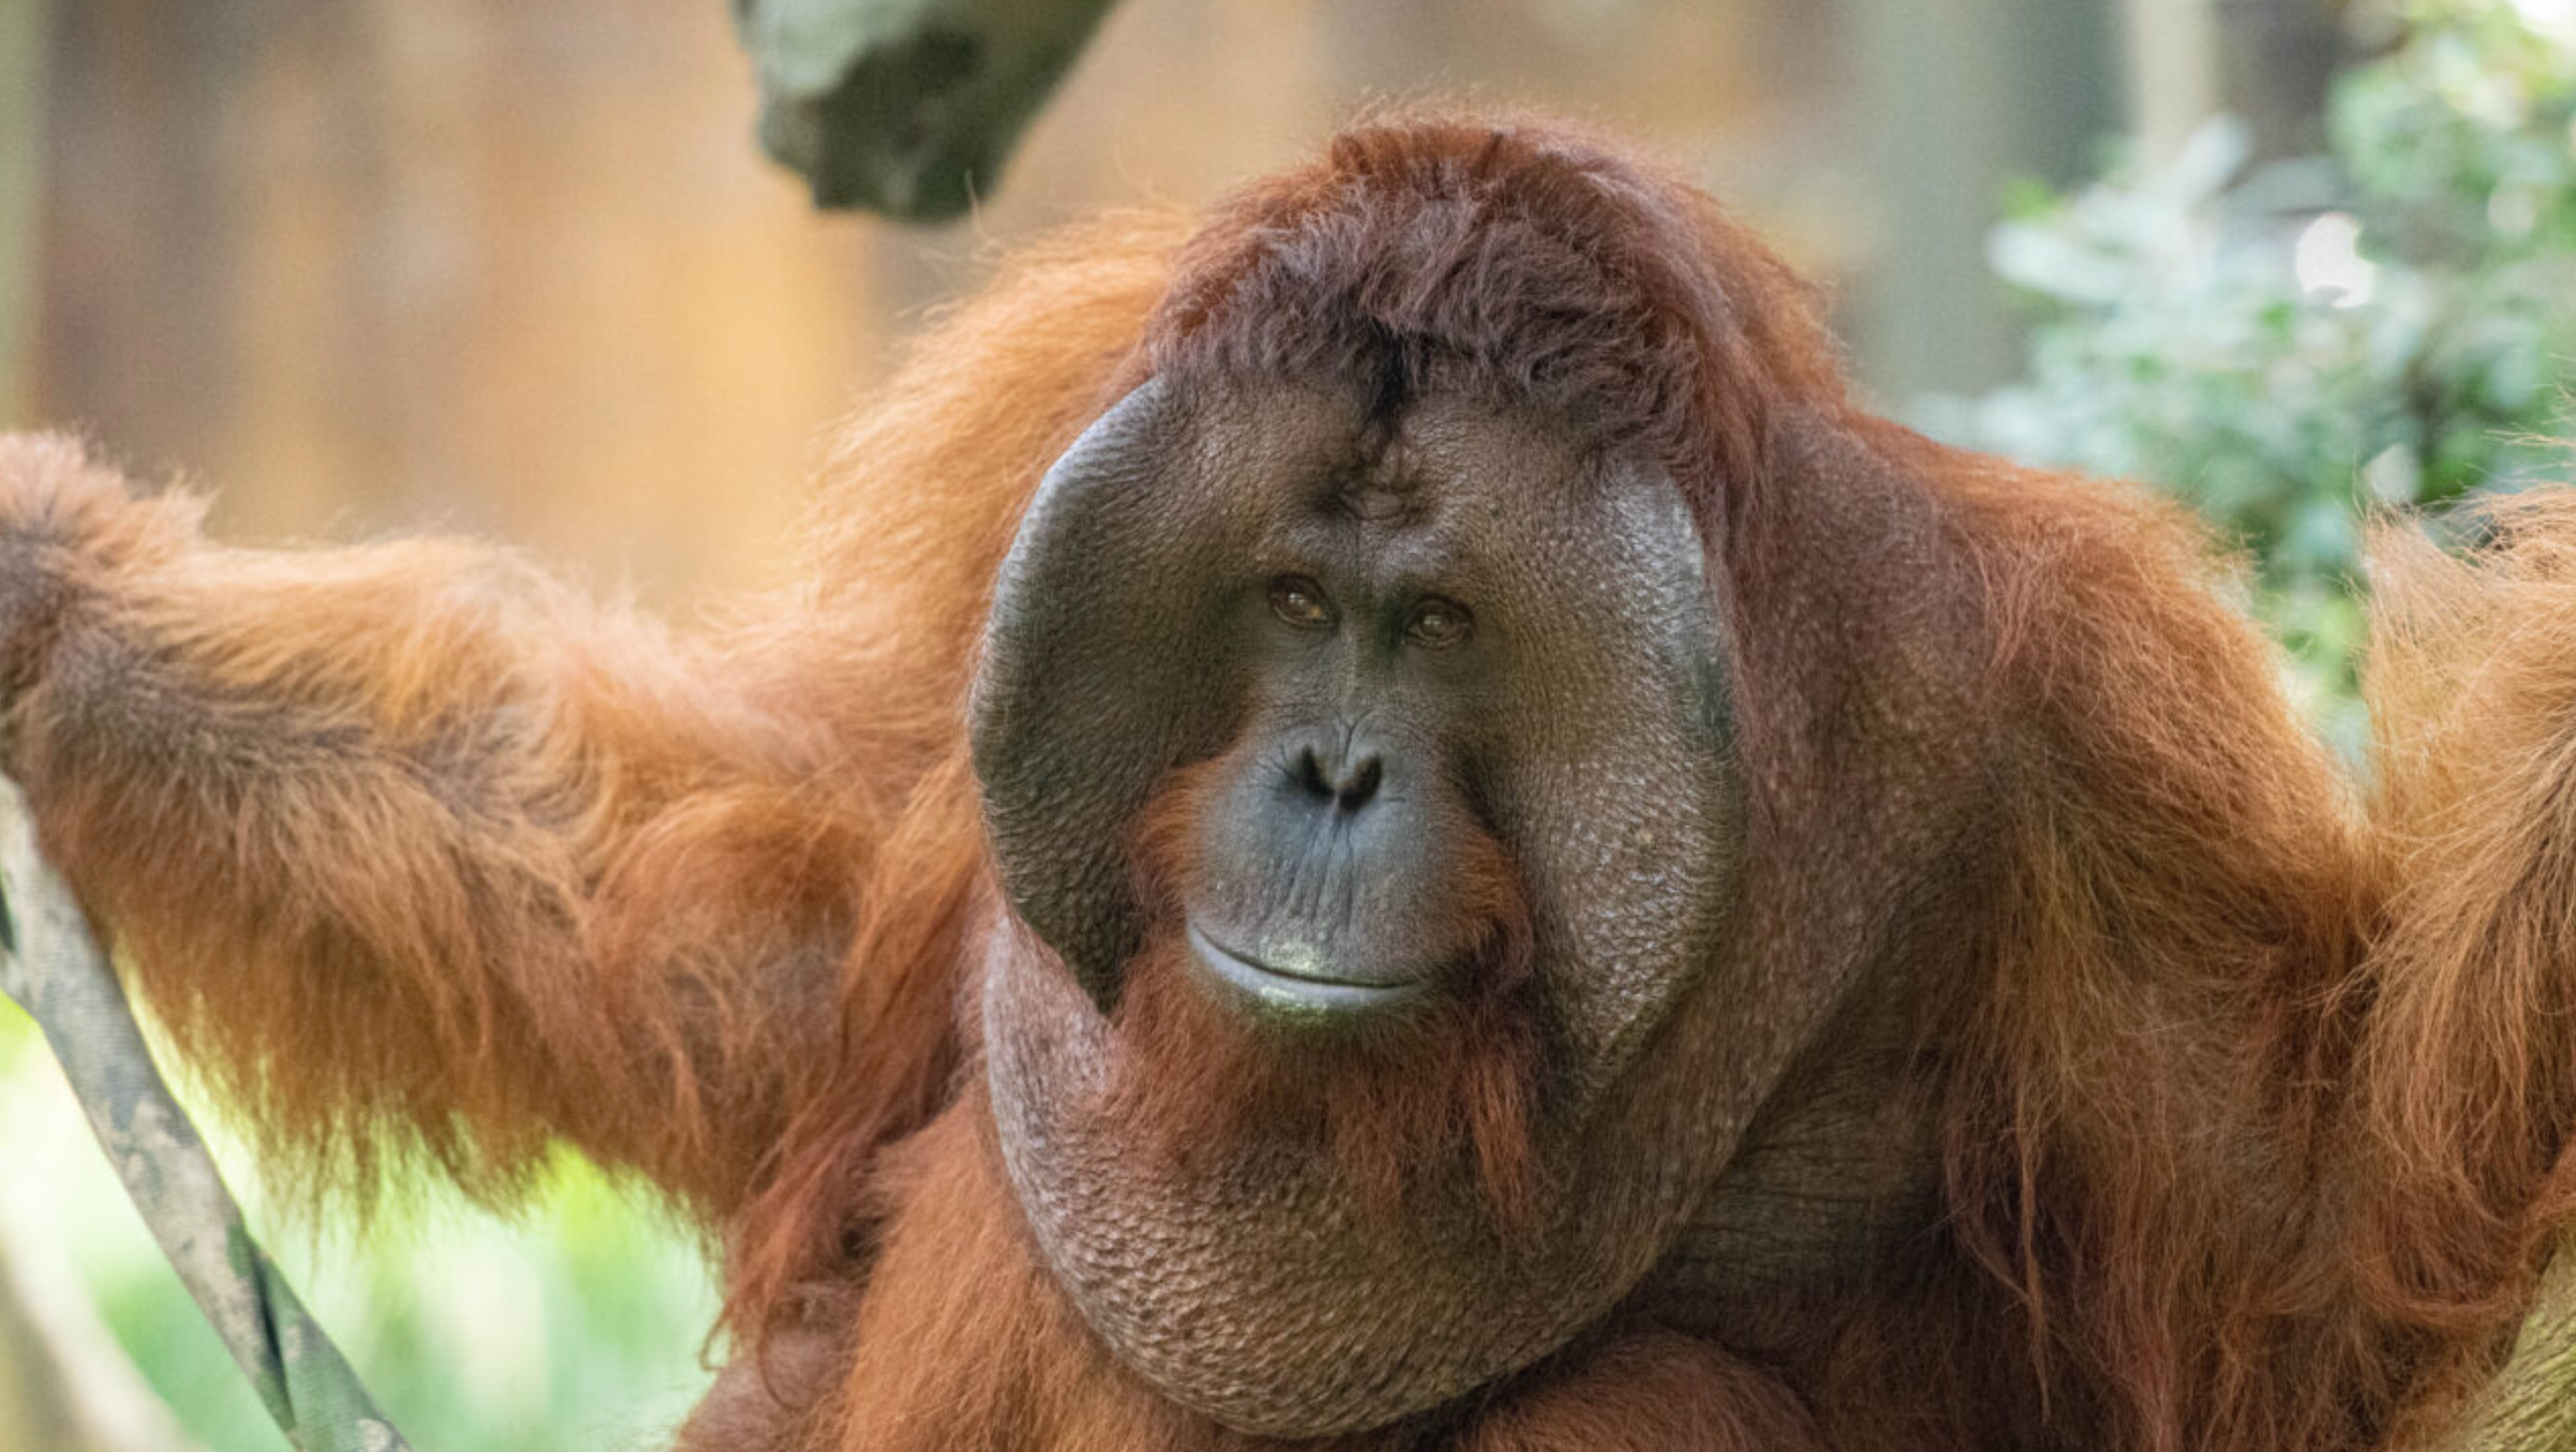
(2252, 1091)
(1645, 1391)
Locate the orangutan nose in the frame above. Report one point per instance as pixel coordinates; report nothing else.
(1345, 773)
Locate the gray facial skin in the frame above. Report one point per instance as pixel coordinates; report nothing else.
(1583, 720)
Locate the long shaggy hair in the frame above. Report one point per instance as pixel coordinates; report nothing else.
(2251, 1091)
(2255, 1100)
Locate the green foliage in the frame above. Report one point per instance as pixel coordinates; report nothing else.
(2294, 346)
(576, 1324)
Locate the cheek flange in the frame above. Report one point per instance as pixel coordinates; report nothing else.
(1089, 690)
(1110, 658)
(1250, 1280)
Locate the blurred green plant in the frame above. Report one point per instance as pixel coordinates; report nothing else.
(578, 1322)
(2293, 346)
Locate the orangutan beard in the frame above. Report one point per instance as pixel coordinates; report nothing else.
(1440, 1091)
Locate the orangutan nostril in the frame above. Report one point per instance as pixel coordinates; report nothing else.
(1337, 778)
(1360, 785)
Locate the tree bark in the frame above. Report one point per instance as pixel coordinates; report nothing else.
(2531, 1405)
(906, 107)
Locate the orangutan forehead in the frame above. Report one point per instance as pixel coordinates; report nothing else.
(1388, 477)
(1331, 444)
(1447, 440)
(1381, 493)
(1481, 263)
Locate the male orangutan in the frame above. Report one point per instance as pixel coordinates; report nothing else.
(1382, 820)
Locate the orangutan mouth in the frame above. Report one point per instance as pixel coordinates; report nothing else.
(1297, 993)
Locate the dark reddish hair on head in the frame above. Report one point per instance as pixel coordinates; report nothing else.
(1518, 263)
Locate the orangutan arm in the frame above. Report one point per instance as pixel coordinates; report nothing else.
(414, 850)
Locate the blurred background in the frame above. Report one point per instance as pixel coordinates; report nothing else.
(382, 266)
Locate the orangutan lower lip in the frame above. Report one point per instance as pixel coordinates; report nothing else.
(1301, 995)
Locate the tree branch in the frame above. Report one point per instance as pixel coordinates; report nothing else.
(906, 107)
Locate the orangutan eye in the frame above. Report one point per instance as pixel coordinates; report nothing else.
(1300, 601)
(1438, 624)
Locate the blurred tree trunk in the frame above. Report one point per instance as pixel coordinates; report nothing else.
(2276, 61)
(65, 1385)
(22, 72)
(2267, 62)
(1961, 98)
(2173, 76)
